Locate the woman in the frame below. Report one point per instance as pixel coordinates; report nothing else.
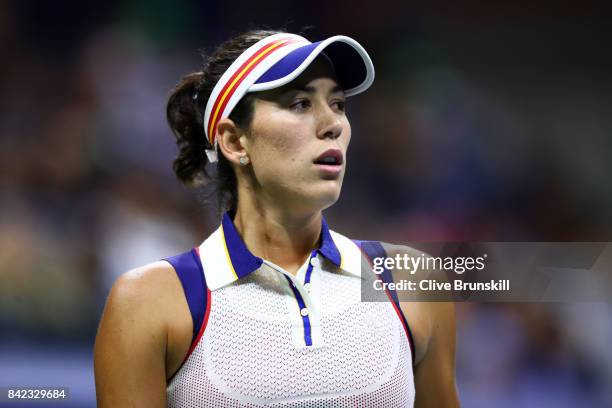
(267, 310)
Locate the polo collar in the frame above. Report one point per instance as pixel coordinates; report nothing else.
(226, 258)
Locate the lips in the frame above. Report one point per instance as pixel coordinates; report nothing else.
(331, 157)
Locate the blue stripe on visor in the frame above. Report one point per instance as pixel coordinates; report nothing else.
(348, 64)
(287, 64)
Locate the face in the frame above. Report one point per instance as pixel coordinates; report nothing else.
(298, 140)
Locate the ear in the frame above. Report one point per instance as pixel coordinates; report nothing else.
(229, 140)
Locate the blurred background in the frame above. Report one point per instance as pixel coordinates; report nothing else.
(486, 122)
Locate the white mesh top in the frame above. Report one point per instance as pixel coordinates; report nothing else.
(271, 339)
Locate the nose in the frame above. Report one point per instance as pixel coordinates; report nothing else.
(330, 125)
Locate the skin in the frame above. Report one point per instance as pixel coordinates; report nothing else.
(145, 331)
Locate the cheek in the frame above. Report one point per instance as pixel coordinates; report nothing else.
(346, 131)
(279, 140)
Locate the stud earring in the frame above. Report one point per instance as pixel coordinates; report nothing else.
(243, 160)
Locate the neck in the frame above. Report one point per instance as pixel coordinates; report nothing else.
(277, 235)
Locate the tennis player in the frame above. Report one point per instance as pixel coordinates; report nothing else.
(267, 311)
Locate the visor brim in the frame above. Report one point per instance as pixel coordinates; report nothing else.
(352, 64)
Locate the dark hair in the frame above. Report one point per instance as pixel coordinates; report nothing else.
(185, 115)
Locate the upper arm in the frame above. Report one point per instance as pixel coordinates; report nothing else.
(130, 349)
(434, 375)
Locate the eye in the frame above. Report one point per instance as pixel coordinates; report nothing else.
(300, 104)
(340, 105)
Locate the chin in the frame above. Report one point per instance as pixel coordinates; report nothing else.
(328, 195)
(315, 199)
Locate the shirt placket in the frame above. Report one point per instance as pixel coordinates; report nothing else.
(301, 295)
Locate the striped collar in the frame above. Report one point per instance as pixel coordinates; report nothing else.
(226, 258)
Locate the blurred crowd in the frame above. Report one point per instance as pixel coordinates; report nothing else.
(496, 134)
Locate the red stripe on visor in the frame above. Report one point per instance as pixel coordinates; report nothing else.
(236, 79)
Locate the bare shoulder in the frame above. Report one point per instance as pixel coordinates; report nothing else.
(144, 329)
(150, 283)
(150, 299)
(149, 294)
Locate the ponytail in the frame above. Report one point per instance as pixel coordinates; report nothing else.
(185, 119)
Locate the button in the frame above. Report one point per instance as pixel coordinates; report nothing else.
(314, 261)
(304, 311)
(307, 287)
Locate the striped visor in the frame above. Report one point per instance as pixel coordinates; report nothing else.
(277, 60)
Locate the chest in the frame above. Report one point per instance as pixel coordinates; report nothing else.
(260, 347)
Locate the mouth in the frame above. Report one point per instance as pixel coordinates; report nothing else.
(331, 157)
(329, 164)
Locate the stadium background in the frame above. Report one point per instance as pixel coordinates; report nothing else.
(485, 123)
